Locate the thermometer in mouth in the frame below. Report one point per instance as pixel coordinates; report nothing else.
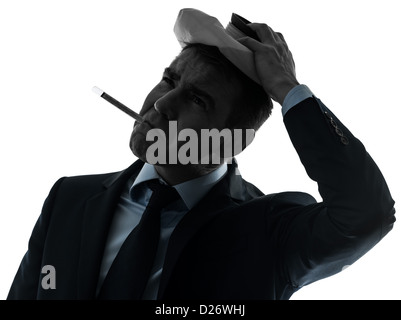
(117, 104)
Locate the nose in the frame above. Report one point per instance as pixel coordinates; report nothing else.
(167, 106)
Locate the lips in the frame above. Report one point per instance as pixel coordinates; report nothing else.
(153, 120)
(148, 124)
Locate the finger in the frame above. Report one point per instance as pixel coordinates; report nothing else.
(266, 33)
(280, 35)
(250, 43)
(263, 31)
(256, 46)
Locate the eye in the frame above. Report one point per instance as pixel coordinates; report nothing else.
(198, 101)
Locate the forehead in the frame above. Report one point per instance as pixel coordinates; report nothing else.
(194, 68)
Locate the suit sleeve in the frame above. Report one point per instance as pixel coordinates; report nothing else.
(357, 211)
(26, 281)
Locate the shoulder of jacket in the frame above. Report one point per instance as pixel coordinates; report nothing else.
(292, 198)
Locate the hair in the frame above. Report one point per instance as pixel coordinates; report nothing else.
(254, 105)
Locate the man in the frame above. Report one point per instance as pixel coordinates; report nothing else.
(221, 238)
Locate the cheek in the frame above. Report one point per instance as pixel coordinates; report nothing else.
(193, 122)
(151, 98)
(139, 144)
(207, 121)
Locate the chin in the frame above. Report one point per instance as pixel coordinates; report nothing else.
(138, 146)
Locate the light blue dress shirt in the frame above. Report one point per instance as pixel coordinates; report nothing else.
(133, 203)
(136, 196)
(295, 96)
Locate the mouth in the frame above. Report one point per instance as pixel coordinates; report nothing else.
(148, 124)
(144, 122)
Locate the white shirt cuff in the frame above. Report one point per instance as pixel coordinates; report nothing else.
(295, 96)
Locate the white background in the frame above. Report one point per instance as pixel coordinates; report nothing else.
(52, 125)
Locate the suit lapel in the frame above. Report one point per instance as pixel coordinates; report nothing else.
(99, 211)
(96, 222)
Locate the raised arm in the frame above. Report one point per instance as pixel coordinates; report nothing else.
(357, 209)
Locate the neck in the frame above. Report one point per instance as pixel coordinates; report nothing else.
(176, 174)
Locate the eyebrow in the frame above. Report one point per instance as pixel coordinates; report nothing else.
(190, 87)
(172, 74)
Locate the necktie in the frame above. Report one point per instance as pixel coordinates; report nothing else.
(131, 268)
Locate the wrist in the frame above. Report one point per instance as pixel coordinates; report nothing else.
(280, 91)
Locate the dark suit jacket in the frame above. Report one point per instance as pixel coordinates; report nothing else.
(237, 243)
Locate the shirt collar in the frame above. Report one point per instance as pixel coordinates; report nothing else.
(191, 191)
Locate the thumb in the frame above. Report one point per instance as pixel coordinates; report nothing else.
(250, 43)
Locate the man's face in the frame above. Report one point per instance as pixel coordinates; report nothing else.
(193, 93)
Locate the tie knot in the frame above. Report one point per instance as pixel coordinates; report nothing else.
(162, 194)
